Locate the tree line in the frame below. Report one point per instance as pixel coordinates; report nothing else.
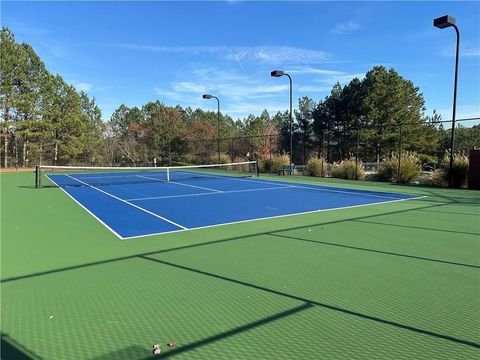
(45, 120)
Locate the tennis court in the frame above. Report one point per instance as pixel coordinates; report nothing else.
(140, 203)
(391, 273)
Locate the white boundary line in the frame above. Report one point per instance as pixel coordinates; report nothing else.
(87, 210)
(272, 217)
(213, 193)
(184, 229)
(198, 187)
(126, 175)
(323, 185)
(120, 187)
(274, 182)
(348, 192)
(129, 203)
(174, 182)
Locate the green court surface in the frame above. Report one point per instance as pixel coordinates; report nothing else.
(392, 281)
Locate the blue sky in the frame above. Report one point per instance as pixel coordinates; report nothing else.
(135, 52)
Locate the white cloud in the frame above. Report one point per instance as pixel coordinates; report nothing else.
(277, 54)
(342, 79)
(263, 54)
(239, 94)
(468, 49)
(346, 27)
(311, 70)
(173, 95)
(168, 49)
(88, 87)
(313, 89)
(188, 86)
(470, 52)
(82, 86)
(243, 93)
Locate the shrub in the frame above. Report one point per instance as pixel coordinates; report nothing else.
(347, 169)
(181, 163)
(317, 167)
(459, 170)
(224, 158)
(435, 178)
(386, 171)
(410, 169)
(275, 164)
(428, 162)
(265, 165)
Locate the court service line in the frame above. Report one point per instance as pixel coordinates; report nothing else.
(348, 192)
(214, 193)
(106, 176)
(129, 203)
(122, 188)
(174, 182)
(273, 217)
(306, 187)
(87, 210)
(319, 188)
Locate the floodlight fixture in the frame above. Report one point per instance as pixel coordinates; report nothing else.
(444, 22)
(277, 73)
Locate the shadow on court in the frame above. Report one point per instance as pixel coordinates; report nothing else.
(211, 339)
(374, 251)
(129, 353)
(326, 306)
(10, 350)
(214, 242)
(137, 352)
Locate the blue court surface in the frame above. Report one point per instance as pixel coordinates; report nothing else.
(140, 204)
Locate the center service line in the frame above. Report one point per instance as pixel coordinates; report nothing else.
(129, 203)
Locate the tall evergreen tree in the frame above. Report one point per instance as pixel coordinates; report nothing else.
(304, 119)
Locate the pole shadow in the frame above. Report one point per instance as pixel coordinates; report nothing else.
(323, 305)
(207, 243)
(10, 350)
(375, 251)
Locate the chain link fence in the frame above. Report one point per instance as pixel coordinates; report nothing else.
(368, 148)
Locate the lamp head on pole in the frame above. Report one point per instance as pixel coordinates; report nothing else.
(444, 22)
(207, 96)
(277, 73)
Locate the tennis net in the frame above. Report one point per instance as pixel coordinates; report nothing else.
(46, 175)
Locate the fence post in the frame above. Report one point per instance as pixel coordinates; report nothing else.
(399, 154)
(356, 151)
(323, 149)
(169, 153)
(270, 148)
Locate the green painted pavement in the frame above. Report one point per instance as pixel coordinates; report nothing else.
(391, 281)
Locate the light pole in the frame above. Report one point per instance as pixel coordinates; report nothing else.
(442, 23)
(279, 73)
(207, 96)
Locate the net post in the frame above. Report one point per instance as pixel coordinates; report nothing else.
(37, 177)
(168, 174)
(256, 168)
